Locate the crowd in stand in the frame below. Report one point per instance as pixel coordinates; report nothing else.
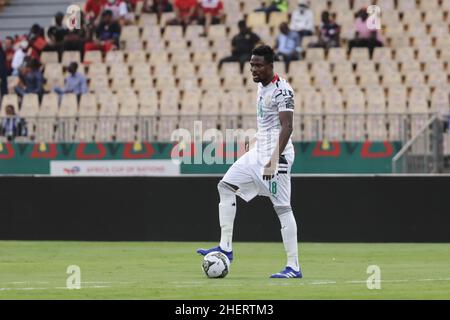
(102, 21)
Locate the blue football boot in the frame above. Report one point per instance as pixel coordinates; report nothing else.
(204, 252)
(288, 273)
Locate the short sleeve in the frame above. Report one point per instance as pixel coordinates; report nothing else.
(284, 99)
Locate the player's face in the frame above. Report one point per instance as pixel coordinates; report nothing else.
(260, 69)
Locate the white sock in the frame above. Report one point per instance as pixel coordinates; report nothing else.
(289, 234)
(227, 213)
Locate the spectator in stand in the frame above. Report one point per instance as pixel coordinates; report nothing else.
(31, 79)
(185, 12)
(107, 34)
(8, 47)
(12, 125)
(157, 6)
(75, 83)
(119, 9)
(36, 40)
(302, 20)
(364, 37)
(211, 12)
(56, 35)
(274, 6)
(287, 47)
(3, 73)
(242, 45)
(19, 56)
(93, 10)
(329, 33)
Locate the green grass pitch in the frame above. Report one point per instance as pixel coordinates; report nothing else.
(172, 270)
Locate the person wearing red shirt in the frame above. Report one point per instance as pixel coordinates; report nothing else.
(211, 12)
(185, 12)
(93, 9)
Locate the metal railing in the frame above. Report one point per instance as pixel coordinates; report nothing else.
(423, 153)
(307, 126)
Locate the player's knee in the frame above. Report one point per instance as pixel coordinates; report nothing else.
(281, 210)
(226, 191)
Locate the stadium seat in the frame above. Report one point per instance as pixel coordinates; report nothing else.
(129, 32)
(359, 55)
(344, 67)
(158, 58)
(345, 79)
(406, 6)
(188, 83)
(217, 31)
(414, 78)
(193, 32)
(315, 54)
(437, 78)
(173, 33)
(396, 99)
(164, 80)
(230, 107)
(367, 79)
(256, 20)
(94, 56)
(67, 113)
(210, 82)
(148, 19)
(382, 54)
(199, 45)
(418, 101)
(139, 56)
(297, 68)
(231, 82)
(49, 57)
(426, 5)
(355, 119)
(71, 56)
(120, 81)
(337, 55)
(200, 57)
(440, 101)
(276, 18)
(114, 57)
(30, 106)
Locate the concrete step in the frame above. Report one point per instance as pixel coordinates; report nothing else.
(33, 2)
(20, 23)
(34, 10)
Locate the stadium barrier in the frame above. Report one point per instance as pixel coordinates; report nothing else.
(139, 158)
(339, 126)
(327, 208)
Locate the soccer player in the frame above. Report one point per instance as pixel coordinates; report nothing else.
(265, 169)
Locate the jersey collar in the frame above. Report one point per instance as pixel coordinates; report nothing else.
(275, 78)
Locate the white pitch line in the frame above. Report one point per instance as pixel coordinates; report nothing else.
(31, 288)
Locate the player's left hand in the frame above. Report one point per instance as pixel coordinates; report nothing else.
(269, 171)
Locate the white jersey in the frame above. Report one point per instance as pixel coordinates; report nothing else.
(276, 97)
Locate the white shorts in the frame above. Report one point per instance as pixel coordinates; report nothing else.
(247, 174)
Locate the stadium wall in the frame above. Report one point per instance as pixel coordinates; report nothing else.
(328, 209)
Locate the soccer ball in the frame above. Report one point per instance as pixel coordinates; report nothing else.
(216, 265)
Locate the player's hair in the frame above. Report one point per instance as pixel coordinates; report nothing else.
(264, 51)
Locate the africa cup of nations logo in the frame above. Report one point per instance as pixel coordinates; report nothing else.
(73, 17)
